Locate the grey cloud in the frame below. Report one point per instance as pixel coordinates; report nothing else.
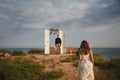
(47, 13)
(113, 10)
(97, 16)
(36, 12)
(27, 17)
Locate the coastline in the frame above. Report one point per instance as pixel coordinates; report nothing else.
(106, 52)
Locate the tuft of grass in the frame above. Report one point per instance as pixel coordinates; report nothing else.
(41, 50)
(109, 68)
(18, 53)
(72, 58)
(112, 66)
(52, 75)
(22, 69)
(99, 59)
(19, 69)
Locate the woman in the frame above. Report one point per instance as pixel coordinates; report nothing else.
(86, 61)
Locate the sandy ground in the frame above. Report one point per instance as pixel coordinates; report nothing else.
(52, 62)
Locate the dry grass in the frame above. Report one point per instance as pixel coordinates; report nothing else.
(53, 62)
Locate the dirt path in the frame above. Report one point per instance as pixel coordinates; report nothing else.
(52, 62)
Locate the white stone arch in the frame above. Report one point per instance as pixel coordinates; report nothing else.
(47, 41)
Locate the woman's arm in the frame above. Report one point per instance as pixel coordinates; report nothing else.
(80, 57)
(91, 56)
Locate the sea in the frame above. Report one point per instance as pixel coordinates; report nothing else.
(106, 52)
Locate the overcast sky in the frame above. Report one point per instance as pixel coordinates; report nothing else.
(22, 22)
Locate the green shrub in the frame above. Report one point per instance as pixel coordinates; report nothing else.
(113, 66)
(5, 50)
(18, 53)
(21, 69)
(36, 51)
(51, 75)
(99, 58)
(72, 58)
(110, 68)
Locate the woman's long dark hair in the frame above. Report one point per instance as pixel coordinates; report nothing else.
(84, 47)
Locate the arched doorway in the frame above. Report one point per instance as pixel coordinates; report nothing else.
(47, 41)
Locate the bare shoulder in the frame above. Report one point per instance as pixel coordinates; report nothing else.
(91, 52)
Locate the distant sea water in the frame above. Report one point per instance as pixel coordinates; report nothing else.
(107, 52)
(20, 49)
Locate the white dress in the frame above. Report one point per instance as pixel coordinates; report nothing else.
(85, 68)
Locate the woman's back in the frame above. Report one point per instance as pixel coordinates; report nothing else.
(85, 56)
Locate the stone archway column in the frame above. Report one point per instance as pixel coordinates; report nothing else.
(62, 35)
(47, 41)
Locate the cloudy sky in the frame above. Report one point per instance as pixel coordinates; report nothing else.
(22, 22)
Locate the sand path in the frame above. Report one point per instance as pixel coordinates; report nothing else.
(52, 62)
